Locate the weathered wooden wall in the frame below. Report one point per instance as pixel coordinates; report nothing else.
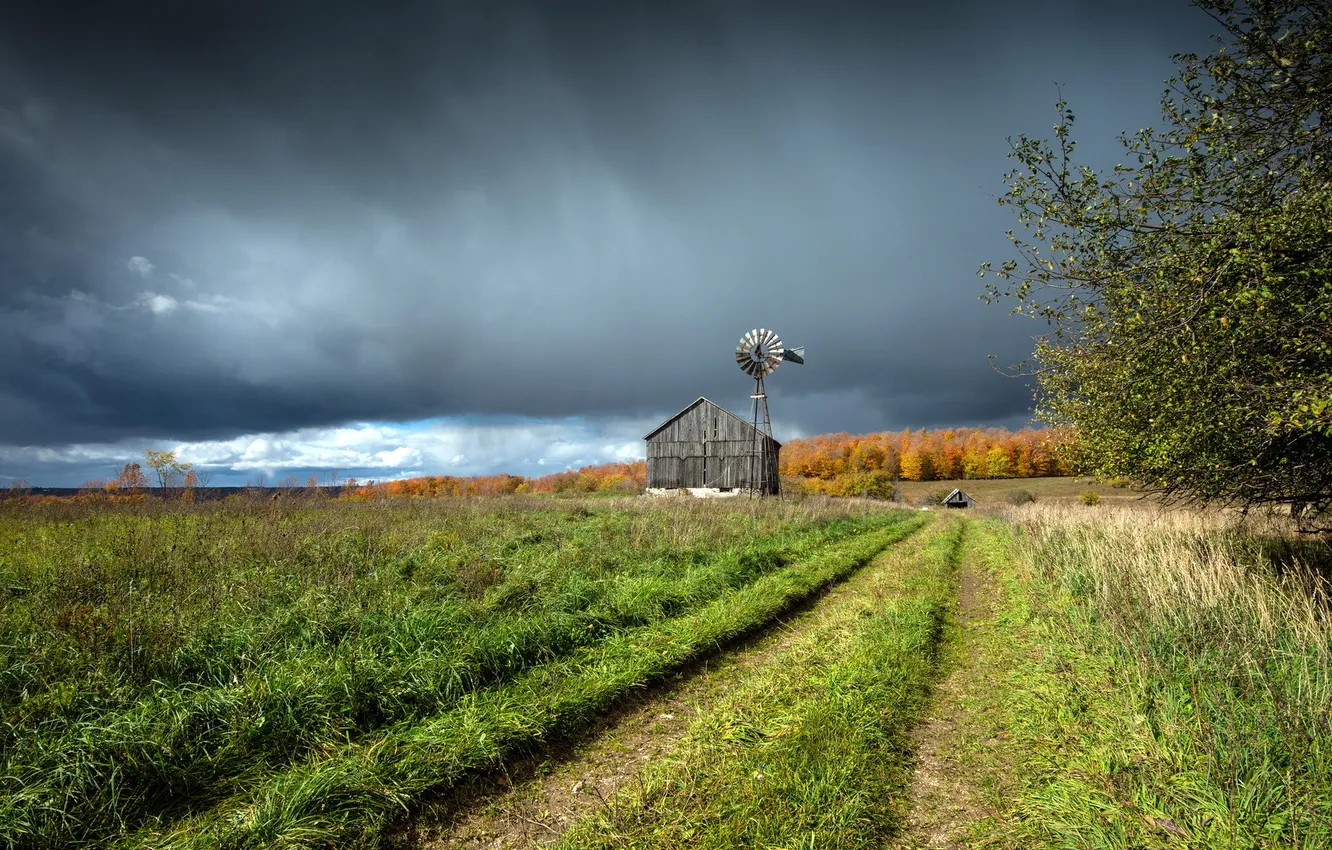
(706, 446)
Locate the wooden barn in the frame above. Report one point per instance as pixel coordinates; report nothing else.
(708, 448)
(958, 499)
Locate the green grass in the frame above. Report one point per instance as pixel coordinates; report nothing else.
(810, 749)
(303, 675)
(263, 675)
(1166, 684)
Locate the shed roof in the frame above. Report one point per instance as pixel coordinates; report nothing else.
(696, 403)
(957, 491)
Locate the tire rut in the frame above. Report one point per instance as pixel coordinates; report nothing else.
(945, 800)
(533, 800)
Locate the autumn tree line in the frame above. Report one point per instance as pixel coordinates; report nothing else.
(925, 455)
(602, 478)
(830, 464)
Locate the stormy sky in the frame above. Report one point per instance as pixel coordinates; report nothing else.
(457, 238)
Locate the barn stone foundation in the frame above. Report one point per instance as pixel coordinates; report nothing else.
(697, 492)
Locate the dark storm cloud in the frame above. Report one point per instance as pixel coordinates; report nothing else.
(222, 218)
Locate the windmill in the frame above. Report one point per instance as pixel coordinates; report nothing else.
(759, 353)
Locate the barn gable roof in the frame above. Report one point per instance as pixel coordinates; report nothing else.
(961, 497)
(710, 403)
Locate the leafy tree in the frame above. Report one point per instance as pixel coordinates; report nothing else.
(188, 485)
(998, 464)
(873, 484)
(167, 467)
(1189, 291)
(916, 465)
(131, 481)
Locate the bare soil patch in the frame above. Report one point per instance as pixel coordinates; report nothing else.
(947, 792)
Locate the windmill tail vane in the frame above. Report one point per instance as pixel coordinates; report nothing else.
(759, 354)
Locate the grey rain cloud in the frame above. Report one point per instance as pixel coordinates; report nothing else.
(232, 218)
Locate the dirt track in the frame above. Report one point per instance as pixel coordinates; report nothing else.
(533, 801)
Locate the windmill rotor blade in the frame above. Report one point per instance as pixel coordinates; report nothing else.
(761, 351)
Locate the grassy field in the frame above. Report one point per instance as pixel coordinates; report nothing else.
(997, 492)
(1166, 682)
(307, 674)
(810, 749)
(1141, 680)
(254, 675)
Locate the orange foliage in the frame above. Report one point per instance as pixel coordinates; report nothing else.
(607, 477)
(829, 462)
(98, 490)
(837, 464)
(187, 486)
(932, 455)
(130, 482)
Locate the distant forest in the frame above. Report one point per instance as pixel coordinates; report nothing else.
(836, 464)
(832, 464)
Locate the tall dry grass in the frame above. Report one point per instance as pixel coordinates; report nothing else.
(1192, 661)
(1213, 576)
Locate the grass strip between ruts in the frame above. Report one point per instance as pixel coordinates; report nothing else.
(348, 796)
(810, 750)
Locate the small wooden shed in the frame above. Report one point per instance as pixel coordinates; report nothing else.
(958, 499)
(706, 447)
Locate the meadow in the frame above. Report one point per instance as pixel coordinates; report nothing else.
(1131, 677)
(288, 673)
(993, 493)
(266, 673)
(1169, 677)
